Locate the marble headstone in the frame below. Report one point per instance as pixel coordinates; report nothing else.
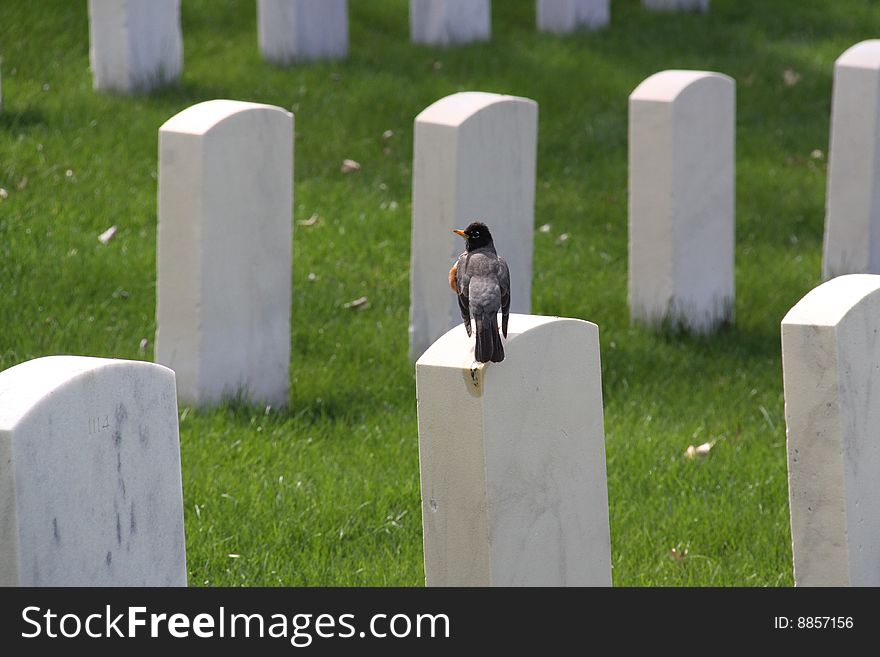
(135, 45)
(300, 30)
(563, 16)
(512, 459)
(449, 22)
(224, 251)
(681, 200)
(676, 5)
(90, 485)
(852, 220)
(474, 159)
(831, 377)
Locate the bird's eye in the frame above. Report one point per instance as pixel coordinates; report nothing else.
(475, 234)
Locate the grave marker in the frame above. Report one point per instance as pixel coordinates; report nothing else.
(681, 200)
(224, 251)
(449, 22)
(676, 5)
(563, 16)
(512, 459)
(852, 221)
(300, 30)
(134, 45)
(474, 159)
(831, 376)
(90, 486)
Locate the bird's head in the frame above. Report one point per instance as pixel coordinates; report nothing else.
(475, 235)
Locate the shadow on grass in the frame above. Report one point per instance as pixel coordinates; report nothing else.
(349, 407)
(12, 120)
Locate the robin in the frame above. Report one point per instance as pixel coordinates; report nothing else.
(481, 280)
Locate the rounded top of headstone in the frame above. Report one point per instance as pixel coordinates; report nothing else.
(829, 303)
(457, 108)
(455, 349)
(198, 119)
(865, 54)
(668, 85)
(24, 386)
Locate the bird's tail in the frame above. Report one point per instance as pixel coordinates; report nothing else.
(489, 345)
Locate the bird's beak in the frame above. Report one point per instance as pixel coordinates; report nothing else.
(460, 232)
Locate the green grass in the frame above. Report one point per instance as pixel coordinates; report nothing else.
(326, 492)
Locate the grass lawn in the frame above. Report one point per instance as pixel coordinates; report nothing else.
(326, 492)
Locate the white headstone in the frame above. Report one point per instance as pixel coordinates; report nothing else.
(852, 221)
(474, 159)
(512, 458)
(224, 251)
(301, 30)
(90, 486)
(676, 5)
(448, 22)
(135, 45)
(831, 375)
(681, 200)
(563, 16)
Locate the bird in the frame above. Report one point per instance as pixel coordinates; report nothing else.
(481, 279)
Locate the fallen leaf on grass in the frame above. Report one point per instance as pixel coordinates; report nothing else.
(107, 235)
(700, 450)
(678, 555)
(349, 166)
(311, 221)
(361, 303)
(790, 77)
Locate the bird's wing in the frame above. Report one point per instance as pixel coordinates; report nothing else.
(461, 275)
(504, 284)
(462, 279)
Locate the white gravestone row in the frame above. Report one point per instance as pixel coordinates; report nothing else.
(224, 252)
(474, 159)
(491, 437)
(681, 200)
(852, 221)
(563, 16)
(299, 30)
(831, 376)
(90, 485)
(135, 45)
(512, 459)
